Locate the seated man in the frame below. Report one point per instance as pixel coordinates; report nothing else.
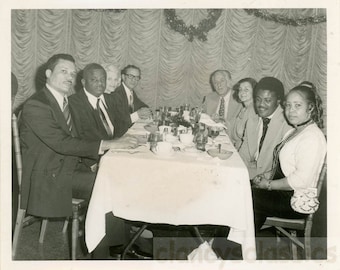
(128, 101)
(95, 113)
(113, 77)
(51, 149)
(266, 129)
(220, 104)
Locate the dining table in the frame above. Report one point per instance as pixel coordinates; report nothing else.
(182, 187)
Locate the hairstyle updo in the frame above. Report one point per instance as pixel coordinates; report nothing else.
(308, 90)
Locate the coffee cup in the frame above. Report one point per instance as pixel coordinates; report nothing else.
(186, 138)
(163, 148)
(164, 129)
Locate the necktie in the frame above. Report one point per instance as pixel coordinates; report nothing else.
(264, 131)
(131, 103)
(67, 115)
(103, 119)
(222, 108)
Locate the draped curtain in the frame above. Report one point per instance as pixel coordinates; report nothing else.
(174, 70)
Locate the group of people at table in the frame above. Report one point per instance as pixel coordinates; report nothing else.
(62, 137)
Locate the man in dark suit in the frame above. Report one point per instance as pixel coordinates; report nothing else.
(220, 104)
(95, 113)
(128, 101)
(51, 148)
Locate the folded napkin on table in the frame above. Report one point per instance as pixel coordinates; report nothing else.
(206, 119)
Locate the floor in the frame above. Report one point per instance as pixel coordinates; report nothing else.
(174, 246)
(56, 246)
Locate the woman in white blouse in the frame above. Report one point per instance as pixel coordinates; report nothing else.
(297, 159)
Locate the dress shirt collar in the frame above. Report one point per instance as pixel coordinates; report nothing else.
(57, 95)
(93, 99)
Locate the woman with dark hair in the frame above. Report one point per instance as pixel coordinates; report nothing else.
(298, 159)
(243, 93)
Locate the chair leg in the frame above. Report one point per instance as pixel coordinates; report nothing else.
(17, 230)
(43, 230)
(65, 225)
(75, 234)
(307, 236)
(293, 246)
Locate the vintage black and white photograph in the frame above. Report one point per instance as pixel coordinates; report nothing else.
(169, 136)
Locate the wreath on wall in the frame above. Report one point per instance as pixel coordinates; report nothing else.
(263, 14)
(192, 31)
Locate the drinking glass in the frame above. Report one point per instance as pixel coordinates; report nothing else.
(213, 133)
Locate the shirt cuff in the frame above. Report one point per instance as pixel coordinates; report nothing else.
(100, 151)
(134, 117)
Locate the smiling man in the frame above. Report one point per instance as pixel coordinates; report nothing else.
(265, 130)
(220, 104)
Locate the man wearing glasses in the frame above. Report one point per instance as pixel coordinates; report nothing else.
(125, 94)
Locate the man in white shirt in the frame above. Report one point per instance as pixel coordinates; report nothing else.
(126, 97)
(220, 104)
(95, 113)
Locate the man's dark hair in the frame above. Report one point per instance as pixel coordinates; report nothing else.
(271, 84)
(53, 61)
(90, 67)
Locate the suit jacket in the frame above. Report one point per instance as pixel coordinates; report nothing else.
(277, 128)
(50, 155)
(89, 125)
(211, 103)
(122, 100)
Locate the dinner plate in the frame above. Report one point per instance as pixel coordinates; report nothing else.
(165, 155)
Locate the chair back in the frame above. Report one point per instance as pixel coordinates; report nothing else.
(17, 151)
(322, 176)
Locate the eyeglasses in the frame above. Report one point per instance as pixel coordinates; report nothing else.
(132, 77)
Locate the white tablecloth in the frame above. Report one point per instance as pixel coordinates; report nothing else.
(183, 189)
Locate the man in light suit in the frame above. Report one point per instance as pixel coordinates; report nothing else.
(220, 104)
(51, 148)
(126, 97)
(266, 129)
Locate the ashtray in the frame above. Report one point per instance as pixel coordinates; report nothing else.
(221, 154)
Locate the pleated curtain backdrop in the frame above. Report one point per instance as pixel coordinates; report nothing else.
(174, 70)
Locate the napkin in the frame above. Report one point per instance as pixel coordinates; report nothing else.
(204, 252)
(206, 119)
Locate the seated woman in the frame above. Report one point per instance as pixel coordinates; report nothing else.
(244, 94)
(297, 159)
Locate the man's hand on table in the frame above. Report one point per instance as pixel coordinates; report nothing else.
(125, 142)
(144, 113)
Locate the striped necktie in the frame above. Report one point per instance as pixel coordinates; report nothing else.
(222, 108)
(103, 119)
(67, 115)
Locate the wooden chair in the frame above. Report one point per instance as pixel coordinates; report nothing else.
(79, 206)
(289, 227)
